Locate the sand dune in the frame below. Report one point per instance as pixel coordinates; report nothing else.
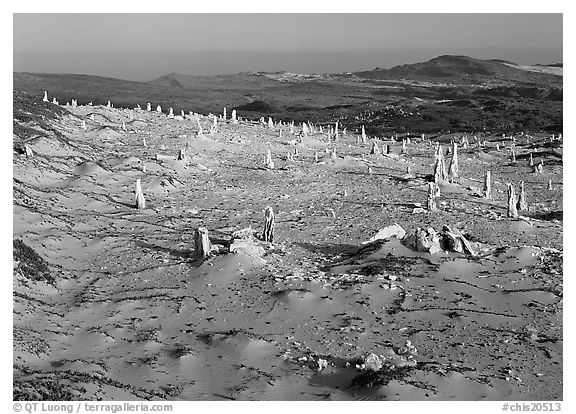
(133, 314)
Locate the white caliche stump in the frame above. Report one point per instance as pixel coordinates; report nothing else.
(403, 150)
(28, 151)
(234, 120)
(200, 130)
(431, 200)
(201, 243)
(531, 161)
(539, 168)
(148, 107)
(224, 114)
(333, 154)
(549, 185)
(436, 190)
(453, 169)
(159, 109)
(45, 97)
(522, 204)
(140, 201)
(440, 166)
(364, 137)
(512, 210)
(268, 163)
(268, 233)
(270, 123)
(513, 155)
(487, 185)
(214, 127)
(375, 149)
(171, 113)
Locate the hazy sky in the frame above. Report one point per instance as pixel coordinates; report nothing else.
(145, 46)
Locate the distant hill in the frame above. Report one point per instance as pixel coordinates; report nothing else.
(243, 80)
(167, 91)
(462, 69)
(552, 65)
(444, 93)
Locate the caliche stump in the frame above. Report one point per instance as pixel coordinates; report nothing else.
(522, 204)
(487, 185)
(140, 201)
(201, 243)
(431, 201)
(512, 210)
(268, 163)
(268, 233)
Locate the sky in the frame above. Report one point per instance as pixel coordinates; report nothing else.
(144, 46)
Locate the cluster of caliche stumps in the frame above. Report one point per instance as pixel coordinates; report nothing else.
(441, 174)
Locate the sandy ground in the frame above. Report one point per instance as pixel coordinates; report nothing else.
(133, 315)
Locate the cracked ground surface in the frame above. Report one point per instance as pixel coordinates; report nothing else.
(132, 315)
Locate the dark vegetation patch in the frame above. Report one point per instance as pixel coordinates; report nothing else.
(32, 117)
(255, 106)
(64, 385)
(30, 264)
(368, 379)
(551, 94)
(146, 335)
(45, 389)
(178, 351)
(27, 108)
